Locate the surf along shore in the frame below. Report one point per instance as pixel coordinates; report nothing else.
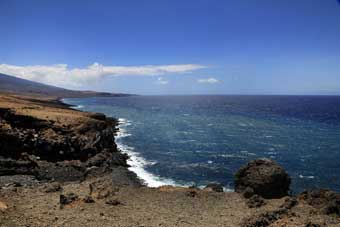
(62, 167)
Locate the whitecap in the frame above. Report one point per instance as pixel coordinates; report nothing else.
(78, 107)
(307, 177)
(137, 163)
(232, 156)
(123, 122)
(247, 153)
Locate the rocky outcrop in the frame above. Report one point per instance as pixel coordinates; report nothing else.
(325, 201)
(263, 177)
(66, 199)
(49, 151)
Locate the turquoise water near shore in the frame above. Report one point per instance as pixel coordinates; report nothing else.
(185, 140)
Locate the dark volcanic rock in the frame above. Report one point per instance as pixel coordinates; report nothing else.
(255, 201)
(67, 199)
(88, 199)
(25, 180)
(98, 116)
(25, 134)
(61, 172)
(265, 219)
(215, 187)
(37, 147)
(265, 177)
(10, 166)
(191, 192)
(121, 176)
(22, 121)
(326, 201)
(248, 192)
(289, 203)
(113, 202)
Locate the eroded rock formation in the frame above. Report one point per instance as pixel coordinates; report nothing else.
(263, 177)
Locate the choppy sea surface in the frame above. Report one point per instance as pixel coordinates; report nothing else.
(186, 140)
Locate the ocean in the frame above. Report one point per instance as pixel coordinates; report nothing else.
(196, 140)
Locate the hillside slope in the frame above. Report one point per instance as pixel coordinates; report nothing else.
(14, 85)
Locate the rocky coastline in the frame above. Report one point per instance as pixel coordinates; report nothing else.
(52, 149)
(61, 167)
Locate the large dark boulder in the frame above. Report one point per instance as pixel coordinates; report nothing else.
(263, 177)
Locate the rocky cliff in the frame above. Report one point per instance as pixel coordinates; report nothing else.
(54, 143)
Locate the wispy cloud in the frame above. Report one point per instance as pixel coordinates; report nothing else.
(210, 80)
(162, 81)
(62, 75)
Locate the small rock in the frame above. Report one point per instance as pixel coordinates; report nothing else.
(88, 199)
(191, 193)
(53, 187)
(67, 199)
(289, 203)
(214, 187)
(255, 201)
(113, 202)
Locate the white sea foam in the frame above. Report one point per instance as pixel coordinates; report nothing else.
(137, 163)
(308, 177)
(78, 107)
(242, 124)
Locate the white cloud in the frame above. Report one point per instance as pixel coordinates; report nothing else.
(208, 81)
(162, 81)
(62, 75)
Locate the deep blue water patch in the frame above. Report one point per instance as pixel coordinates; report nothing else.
(202, 139)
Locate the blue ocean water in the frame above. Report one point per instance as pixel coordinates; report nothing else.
(187, 140)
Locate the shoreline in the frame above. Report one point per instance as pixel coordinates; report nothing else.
(136, 163)
(84, 180)
(74, 139)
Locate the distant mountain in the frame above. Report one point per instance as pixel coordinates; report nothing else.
(15, 85)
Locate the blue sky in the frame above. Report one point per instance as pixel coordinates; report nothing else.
(175, 47)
